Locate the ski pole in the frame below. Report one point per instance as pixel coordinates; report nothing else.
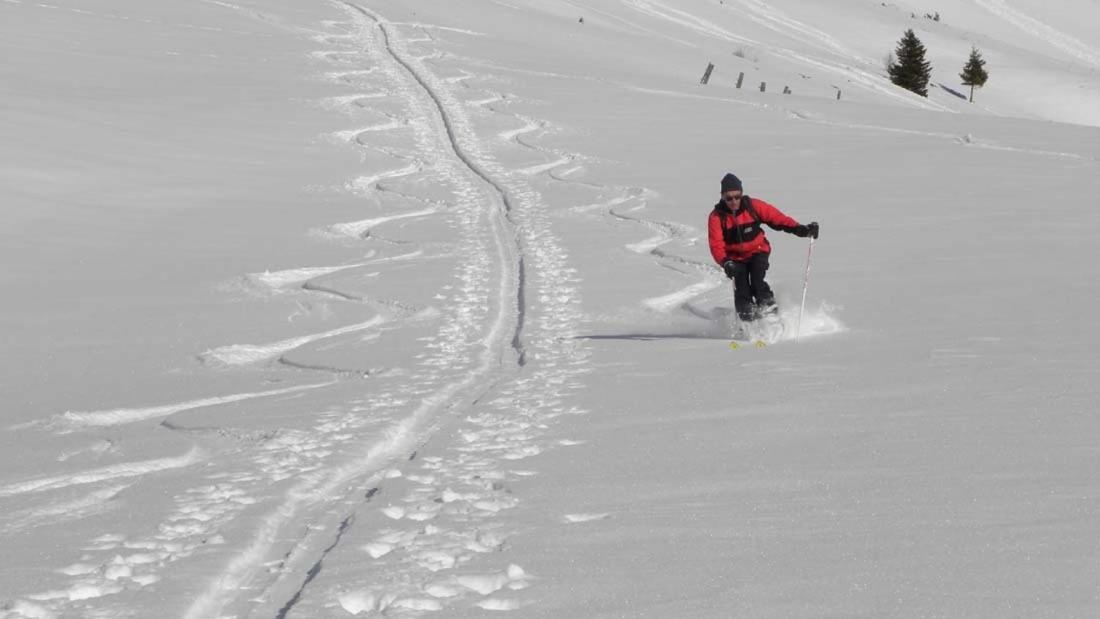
(805, 285)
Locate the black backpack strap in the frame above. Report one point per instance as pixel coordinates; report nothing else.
(721, 209)
(746, 204)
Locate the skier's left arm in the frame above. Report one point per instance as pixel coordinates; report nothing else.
(778, 220)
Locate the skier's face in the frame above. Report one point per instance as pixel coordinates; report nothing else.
(732, 197)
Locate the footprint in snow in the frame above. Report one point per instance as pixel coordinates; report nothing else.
(500, 604)
(514, 579)
(395, 512)
(378, 549)
(575, 518)
(434, 560)
(442, 590)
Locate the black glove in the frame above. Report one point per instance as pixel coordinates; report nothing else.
(805, 231)
(730, 267)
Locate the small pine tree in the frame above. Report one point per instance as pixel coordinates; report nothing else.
(974, 73)
(910, 71)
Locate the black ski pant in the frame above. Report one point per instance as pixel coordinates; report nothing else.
(750, 291)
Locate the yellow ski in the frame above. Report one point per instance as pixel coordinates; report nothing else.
(757, 343)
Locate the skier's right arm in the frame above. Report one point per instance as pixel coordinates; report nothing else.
(716, 237)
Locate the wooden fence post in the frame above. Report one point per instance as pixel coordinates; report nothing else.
(706, 74)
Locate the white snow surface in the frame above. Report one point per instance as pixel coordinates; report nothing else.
(405, 308)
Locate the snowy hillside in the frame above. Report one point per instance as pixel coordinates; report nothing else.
(381, 308)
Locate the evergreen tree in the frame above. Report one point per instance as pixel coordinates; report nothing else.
(910, 70)
(974, 73)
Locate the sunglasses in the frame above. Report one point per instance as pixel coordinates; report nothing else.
(732, 198)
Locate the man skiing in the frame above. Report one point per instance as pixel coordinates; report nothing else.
(738, 244)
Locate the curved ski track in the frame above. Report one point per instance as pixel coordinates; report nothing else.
(329, 501)
(459, 495)
(461, 492)
(561, 164)
(325, 469)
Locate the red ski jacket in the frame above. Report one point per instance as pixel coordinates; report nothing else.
(738, 235)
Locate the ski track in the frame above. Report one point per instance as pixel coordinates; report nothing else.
(426, 27)
(247, 354)
(107, 473)
(1070, 45)
(638, 197)
(462, 491)
(484, 196)
(362, 228)
(630, 24)
(279, 280)
(666, 233)
(966, 140)
(119, 416)
(96, 502)
(313, 470)
(685, 20)
(363, 185)
(774, 19)
(814, 117)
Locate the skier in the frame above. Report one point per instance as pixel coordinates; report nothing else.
(738, 244)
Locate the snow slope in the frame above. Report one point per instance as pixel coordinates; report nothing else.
(405, 308)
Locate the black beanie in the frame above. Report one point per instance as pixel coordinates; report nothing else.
(731, 183)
